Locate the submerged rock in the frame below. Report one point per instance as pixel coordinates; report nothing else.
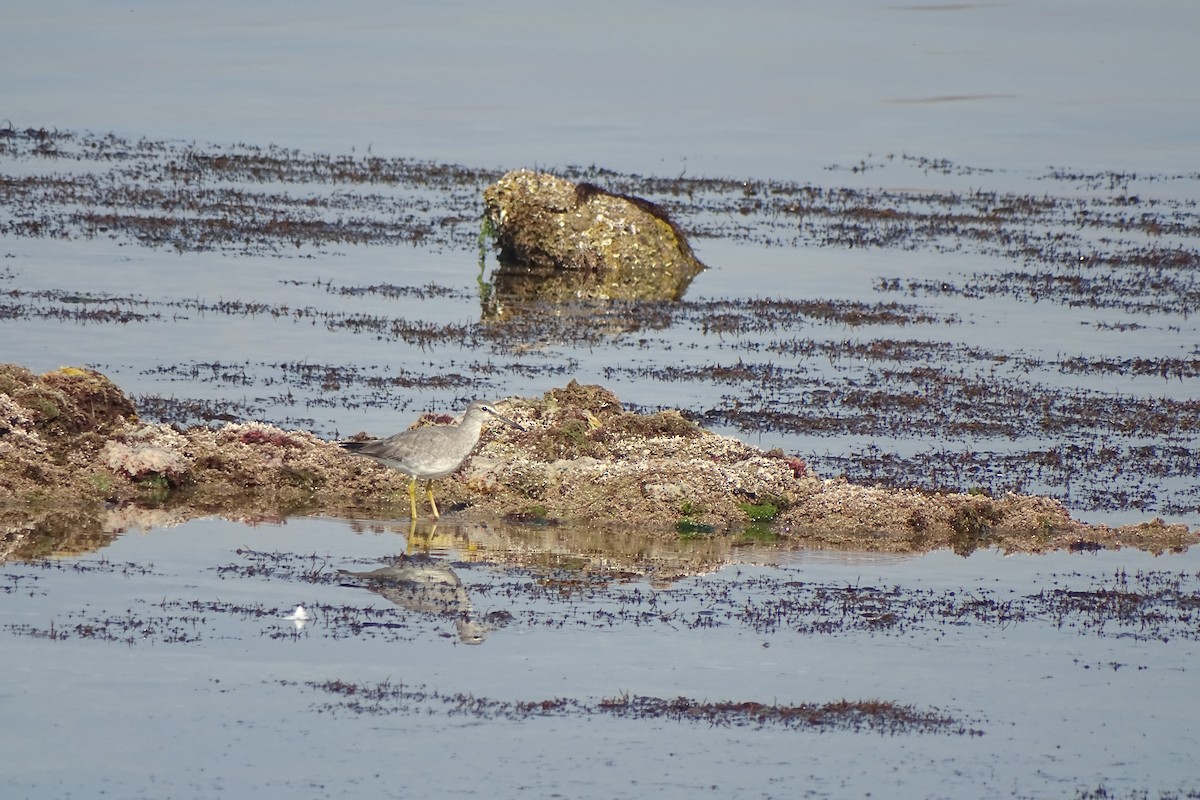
(560, 241)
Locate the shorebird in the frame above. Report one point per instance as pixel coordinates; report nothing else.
(431, 452)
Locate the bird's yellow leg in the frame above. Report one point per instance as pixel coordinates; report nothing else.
(412, 497)
(429, 494)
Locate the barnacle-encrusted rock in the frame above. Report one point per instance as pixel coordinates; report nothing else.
(562, 241)
(71, 447)
(52, 427)
(68, 401)
(148, 452)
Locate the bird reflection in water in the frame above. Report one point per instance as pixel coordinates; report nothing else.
(427, 585)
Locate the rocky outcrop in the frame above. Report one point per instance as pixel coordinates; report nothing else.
(70, 443)
(561, 241)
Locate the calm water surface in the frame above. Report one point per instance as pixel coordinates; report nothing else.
(162, 665)
(814, 93)
(760, 89)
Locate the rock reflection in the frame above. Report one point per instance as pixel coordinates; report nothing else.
(520, 290)
(29, 533)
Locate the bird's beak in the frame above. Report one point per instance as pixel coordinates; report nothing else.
(508, 421)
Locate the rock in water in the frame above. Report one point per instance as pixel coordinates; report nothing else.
(562, 241)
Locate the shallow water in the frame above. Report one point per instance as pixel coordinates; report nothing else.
(760, 89)
(955, 388)
(926, 101)
(162, 665)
